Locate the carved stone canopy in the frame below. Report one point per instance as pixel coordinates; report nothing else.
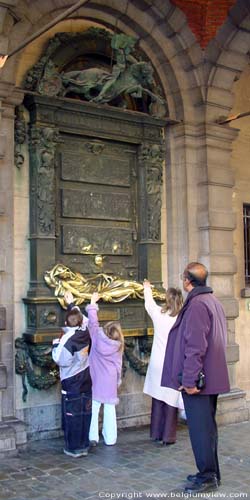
(100, 67)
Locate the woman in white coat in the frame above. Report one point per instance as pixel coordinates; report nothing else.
(165, 401)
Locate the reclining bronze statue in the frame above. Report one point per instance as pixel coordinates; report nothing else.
(110, 288)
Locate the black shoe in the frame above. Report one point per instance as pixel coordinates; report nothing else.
(76, 453)
(193, 477)
(204, 487)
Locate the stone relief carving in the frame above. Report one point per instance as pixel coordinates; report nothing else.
(137, 351)
(48, 317)
(27, 359)
(96, 204)
(35, 365)
(95, 147)
(128, 77)
(151, 158)
(134, 80)
(31, 316)
(20, 136)
(43, 142)
(35, 74)
(30, 359)
(78, 239)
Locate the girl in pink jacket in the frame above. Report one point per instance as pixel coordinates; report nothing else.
(105, 362)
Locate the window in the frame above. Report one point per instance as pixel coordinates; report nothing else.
(246, 222)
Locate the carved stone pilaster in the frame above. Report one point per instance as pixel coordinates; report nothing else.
(43, 141)
(42, 147)
(20, 136)
(150, 161)
(12, 431)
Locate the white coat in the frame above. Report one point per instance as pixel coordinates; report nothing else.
(162, 324)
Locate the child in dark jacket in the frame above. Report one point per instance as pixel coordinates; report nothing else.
(70, 353)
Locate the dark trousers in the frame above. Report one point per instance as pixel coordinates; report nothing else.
(163, 421)
(76, 418)
(200, 411)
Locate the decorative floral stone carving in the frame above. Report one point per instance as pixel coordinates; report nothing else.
(43, 141)
(20, 135)
(27, 358)
(151, 158)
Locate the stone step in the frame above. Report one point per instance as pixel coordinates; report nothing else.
(232, 407)
(13, 436)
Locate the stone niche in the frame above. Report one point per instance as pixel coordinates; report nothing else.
(95, 207)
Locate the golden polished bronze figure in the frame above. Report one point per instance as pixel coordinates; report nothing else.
(110, 288)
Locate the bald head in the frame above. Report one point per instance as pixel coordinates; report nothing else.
(196, 273)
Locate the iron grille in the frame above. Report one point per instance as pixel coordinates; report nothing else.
(246, 221)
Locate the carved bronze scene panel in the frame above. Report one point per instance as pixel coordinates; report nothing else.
(97, 204)
(96, 148)
(78, 239)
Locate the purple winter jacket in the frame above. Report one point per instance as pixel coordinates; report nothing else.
(105, 361)
(198, 341)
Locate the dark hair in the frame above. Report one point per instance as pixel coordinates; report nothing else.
(196, 273)
(174, 302)
(74, 317)
(194, 280)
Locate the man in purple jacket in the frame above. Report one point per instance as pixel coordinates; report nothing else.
(197, 343)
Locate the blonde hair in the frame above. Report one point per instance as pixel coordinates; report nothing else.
(174, 302)
(113, 331)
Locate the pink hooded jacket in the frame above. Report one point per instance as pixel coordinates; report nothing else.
(105, 361)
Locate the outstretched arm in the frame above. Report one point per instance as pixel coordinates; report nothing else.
(150, 304)
(92, 309)
(69, 301)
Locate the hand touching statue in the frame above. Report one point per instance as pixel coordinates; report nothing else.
(94, 298)
(68, 297)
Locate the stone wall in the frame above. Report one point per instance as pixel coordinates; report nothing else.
(199, 183)
(241, 194)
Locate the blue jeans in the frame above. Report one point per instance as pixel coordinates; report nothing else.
(76, 418)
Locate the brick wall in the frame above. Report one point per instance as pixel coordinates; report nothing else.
(205, 16)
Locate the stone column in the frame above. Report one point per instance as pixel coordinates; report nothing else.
(201, 221)
(3, 371)
(176, 201)
(12, 433)
(216, 222)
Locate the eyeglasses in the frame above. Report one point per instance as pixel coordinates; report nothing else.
(183, 277)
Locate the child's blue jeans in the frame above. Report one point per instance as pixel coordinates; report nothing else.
(76, 418)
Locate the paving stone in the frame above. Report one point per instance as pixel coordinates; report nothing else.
(134, 465)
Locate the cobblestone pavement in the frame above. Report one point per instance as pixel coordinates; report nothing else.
(134, 468)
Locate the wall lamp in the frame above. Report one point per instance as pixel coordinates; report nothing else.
(233, 117)
(66, 13)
